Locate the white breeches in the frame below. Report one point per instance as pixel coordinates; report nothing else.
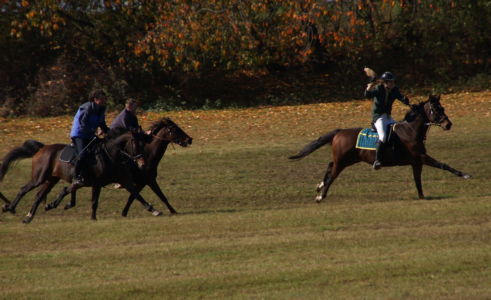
(382, 125)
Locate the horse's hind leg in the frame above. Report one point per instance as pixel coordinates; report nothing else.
(41, 195)
(58, 200)
(7, 202)
(23, 190)
(326, 177)
(332, 173)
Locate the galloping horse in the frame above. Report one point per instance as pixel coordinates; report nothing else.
(164, 131)
(114, 157)
(409, 147)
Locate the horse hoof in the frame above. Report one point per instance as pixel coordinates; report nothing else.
(318, 199)
(48, 207)
(5, 208)
(68, 206)
(156, 213)
(27, 220)
(467, 176)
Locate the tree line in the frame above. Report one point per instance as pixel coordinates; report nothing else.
(217, 53)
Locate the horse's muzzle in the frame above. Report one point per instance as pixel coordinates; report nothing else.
(140, 162)
(186, 142)
(446, 125)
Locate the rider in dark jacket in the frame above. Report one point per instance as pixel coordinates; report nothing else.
(383, 96)
(90, 115)
(127, 118)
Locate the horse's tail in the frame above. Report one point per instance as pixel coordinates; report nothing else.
(28, 149)
(314, 145)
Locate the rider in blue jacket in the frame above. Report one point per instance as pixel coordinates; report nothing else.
(90, 115)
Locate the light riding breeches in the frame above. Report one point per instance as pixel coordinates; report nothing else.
(382, 126)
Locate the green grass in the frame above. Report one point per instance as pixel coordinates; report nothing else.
(248, 226)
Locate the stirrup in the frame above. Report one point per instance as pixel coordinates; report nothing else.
(78, 181)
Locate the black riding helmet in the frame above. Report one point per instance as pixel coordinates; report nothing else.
(387, 76)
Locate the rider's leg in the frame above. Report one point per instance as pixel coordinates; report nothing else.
(80, 144)
(381, 130)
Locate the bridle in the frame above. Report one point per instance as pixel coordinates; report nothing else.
(438, 122)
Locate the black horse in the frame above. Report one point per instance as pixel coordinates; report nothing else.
(114, 158)
(164, 132)
(409, 147)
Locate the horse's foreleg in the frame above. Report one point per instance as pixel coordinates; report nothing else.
(73, 199)
(128, 205)
(156, 189)
(430, 161)
(58, 200)
(417, 169)
(130, 200)
(23, 190)
(134, 193)
(96, 191)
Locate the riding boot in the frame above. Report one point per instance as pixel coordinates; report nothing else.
(377, 164)
(78, 179)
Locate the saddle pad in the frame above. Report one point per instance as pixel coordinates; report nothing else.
(367, 139)
(68, 154)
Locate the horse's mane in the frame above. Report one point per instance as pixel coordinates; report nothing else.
(415, 111)
(115, 133)
(164, 122)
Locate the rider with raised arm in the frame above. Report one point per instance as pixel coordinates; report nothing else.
(89, 117)
(383, 96)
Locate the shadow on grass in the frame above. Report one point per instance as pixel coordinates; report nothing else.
(444, 197)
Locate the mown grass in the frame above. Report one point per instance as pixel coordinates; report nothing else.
(248, 226)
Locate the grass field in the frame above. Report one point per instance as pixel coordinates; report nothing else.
(248, 226)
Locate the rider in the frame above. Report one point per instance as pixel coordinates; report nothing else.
(383, 96)
(90, 115)
(127, 117)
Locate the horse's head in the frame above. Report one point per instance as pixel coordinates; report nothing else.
(130, 144)
(435, 113)
(167, 130)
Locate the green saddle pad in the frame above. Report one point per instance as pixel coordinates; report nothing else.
(367, 139)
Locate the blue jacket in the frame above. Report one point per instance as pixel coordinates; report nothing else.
(89, 116)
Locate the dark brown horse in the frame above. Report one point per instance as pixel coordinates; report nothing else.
(409, 147)
(114, 158)
(164, 132)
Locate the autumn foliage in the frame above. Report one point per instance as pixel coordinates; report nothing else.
(161, 51)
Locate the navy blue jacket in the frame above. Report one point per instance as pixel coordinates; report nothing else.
(89, 116)
(126, 119)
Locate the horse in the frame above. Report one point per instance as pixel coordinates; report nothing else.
(408, 146)
(115, 155)
(164, 132)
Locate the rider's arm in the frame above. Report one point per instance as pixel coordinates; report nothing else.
(401, 97)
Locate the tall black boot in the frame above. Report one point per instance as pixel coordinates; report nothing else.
(78, 179)
(377, 164)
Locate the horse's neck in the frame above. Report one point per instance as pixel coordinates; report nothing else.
(113, 147)
(157, 150)
(417, 128)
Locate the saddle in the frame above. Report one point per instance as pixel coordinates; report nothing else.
(368, 138)
(69, 154)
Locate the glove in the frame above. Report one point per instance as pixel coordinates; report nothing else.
(405, 100)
